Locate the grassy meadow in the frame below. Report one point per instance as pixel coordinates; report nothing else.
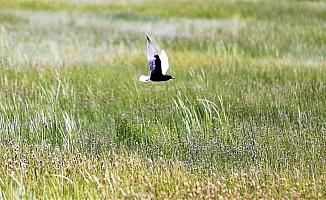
(244, 118)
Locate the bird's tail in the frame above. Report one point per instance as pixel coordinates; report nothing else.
(144, 78)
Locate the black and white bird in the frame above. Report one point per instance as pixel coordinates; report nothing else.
(158, 64)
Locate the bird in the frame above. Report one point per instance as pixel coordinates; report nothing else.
(158, 64)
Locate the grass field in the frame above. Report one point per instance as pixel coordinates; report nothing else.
(244, 118)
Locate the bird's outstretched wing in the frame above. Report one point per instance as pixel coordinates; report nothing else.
(164, 62)
(151, 52)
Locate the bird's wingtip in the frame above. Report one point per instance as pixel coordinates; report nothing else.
(147, 38)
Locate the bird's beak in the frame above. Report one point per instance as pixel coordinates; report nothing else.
(173, 78)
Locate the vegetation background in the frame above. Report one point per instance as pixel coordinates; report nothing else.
(245, 117)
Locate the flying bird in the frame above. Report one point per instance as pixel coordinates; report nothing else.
(158, 64)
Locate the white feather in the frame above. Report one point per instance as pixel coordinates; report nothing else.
(164, 62)
(144, 78)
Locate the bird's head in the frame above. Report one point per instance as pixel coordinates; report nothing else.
(168, 77)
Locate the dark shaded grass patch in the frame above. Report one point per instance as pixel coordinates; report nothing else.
(9, 18)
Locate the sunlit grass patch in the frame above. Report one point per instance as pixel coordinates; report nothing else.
(184, 9)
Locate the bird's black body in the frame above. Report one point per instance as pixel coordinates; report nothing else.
(162, 77)
(156, 74)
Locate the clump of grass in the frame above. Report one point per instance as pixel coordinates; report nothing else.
(4, 46)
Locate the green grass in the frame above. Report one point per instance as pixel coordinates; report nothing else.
(245, 117)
